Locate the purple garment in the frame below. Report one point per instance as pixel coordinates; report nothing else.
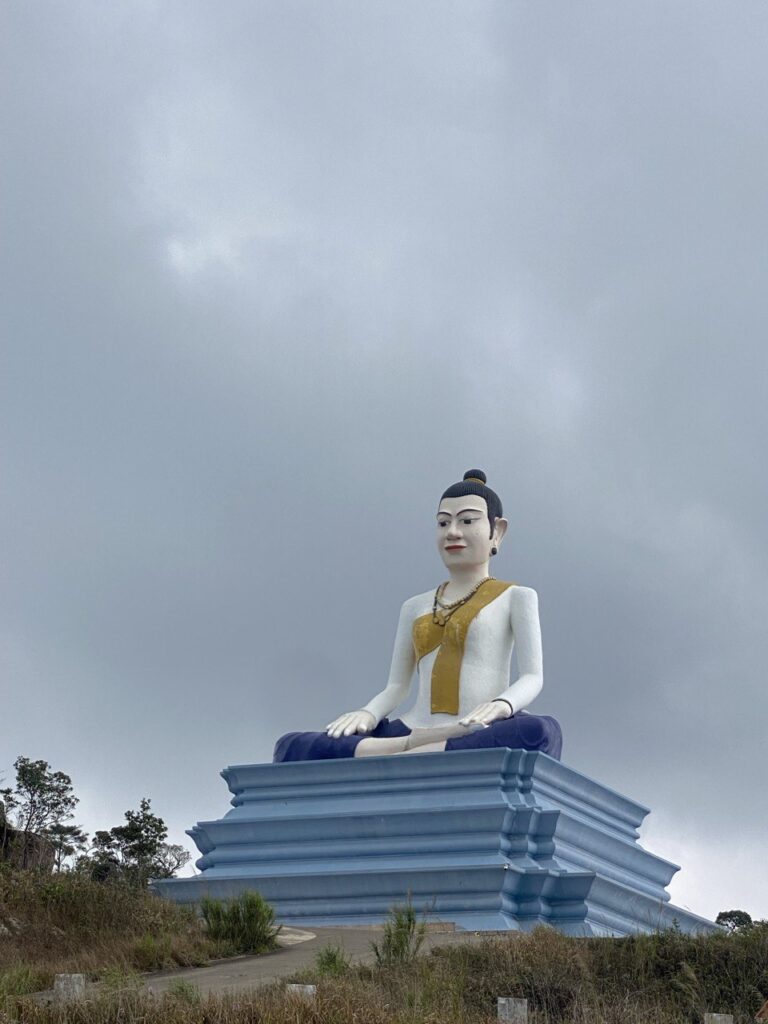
(522, 731)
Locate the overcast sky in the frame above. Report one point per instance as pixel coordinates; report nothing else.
(276, 273)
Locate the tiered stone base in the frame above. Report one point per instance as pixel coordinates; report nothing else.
(489, 839)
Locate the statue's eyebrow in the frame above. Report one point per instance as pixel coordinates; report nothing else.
(442, 512)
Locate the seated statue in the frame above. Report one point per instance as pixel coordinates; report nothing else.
(459, 639)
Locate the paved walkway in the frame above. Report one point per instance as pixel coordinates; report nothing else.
(297, 952)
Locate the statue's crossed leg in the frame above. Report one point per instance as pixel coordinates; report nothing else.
(521, 731)
(434, 737)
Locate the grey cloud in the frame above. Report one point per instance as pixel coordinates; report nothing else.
(279, 273)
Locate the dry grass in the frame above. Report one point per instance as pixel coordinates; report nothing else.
(658, 979)
(65, 923)
(666, 978)
(418, 995)
(342, 1002)
(106, 931)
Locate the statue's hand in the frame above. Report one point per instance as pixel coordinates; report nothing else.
(484, 714)
(351, 723)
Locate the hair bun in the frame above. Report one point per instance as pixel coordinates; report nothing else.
(477, 474)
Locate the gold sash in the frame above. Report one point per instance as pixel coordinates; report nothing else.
(450, 639)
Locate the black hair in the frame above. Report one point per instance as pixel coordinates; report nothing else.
(474, 483)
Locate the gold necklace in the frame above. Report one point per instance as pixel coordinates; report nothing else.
(441, 615)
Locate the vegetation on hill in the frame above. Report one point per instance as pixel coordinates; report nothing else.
(667, 978)
(67, 922)
(70, 905)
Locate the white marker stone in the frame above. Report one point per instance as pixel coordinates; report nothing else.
(303, 991)
(68, 988)
(515, 1010)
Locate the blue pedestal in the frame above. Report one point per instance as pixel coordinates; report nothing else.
(489, 839)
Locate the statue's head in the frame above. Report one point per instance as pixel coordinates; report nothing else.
(470, 526)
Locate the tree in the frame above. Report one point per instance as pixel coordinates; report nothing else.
(3, 823)
(170, 858)
(136, 850)
(138, 841)
(101, 862)
(67, 840)
(734, 920)
(42, 799)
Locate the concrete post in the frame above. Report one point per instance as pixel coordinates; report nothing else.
(514, 1010)
(302, 991)
(718, 1018)
(68, 988)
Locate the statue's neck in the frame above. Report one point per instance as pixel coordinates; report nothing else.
(463, 580)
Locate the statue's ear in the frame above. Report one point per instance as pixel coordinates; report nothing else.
(499, 529)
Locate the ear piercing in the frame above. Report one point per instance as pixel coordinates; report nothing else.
(494, 550)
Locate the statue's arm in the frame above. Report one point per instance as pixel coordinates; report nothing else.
(524, 619)
(396, 690)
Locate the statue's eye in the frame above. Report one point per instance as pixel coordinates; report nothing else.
(443, 522)
(468, 522)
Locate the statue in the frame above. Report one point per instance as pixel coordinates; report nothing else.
(498, 836)
(459, 639)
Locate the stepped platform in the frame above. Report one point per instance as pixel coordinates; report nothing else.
(493, 839)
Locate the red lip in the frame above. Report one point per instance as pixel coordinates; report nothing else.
(455, 547)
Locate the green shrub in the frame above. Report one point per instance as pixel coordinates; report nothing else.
(331, 961)
(184, 992)
(403, 936)
(21, 980)
(152, 953)
(117, 979)
(246, 923)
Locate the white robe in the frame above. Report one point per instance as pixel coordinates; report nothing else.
(510, 621)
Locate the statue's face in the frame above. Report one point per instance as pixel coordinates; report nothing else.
(463, 531)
